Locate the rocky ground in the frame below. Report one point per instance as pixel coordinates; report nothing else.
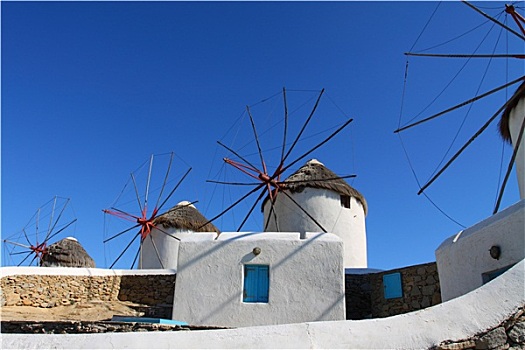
(85, 311)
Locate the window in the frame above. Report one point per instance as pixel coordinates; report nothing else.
(256, 283)
(489, 276)
(345, 201)
(392, 286)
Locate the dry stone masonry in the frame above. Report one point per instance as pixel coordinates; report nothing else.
(155, 292)
(365, 292)
(420, 290)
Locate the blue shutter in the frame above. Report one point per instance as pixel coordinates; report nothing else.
(250, 284)
(256, 283)
(392, 285)
(263, 285)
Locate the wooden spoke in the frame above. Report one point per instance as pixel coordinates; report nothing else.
(285, 126)
(509, 168)
(147, 184)
(62, 229)
(257, 141)
(304, 211)
(461, 104)
(174, 189)
(156, 251)
(124, 251)
(493, 20)
(136, 192)
(458, 153)
(237, 154)
(165, 180)
(121, 233)
(28, 255)
(251, 209)
(318, 145)
(297, 138)
(233, 205)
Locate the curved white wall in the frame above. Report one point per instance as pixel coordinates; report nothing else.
(464, 257)
(458, 319)
(517, 115)
(325, 207)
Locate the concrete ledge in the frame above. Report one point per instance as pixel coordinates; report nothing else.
(460, 318)
(78, 271)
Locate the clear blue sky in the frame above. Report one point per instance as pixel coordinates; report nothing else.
(90, 90)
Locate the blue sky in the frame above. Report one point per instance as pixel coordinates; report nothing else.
(91, 89)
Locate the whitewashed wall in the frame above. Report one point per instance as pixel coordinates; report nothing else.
(325, 207)
(517, 115)
(464, 257)
(306, 279)
(458, 319)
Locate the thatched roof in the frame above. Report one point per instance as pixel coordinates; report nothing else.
(185, 216)
(66, 253)
(513, 102)
(315, 175)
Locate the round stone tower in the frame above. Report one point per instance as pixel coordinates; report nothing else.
(160, 249)
(511, 125)
(319, 195)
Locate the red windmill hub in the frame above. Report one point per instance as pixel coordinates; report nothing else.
(145, 223)
(272, 183)
(39, 250)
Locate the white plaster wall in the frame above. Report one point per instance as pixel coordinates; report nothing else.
(464, 257)
(458, 319)
(167, 246)
(306, 279)
(325, 207)
(517, 115)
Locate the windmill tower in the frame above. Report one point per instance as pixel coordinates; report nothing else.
(160, 249)
(324, 202)
(511, 127)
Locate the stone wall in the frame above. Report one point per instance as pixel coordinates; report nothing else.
(365, 292)
(420, 290)
(358, 296)
(154, 292)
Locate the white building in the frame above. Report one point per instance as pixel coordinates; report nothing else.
(511, 125)
(482, 252)
(320, 194)
(252, 279)
(160, 249)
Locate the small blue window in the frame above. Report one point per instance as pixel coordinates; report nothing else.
(392, 286)
(489, 276)
(256, 283)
